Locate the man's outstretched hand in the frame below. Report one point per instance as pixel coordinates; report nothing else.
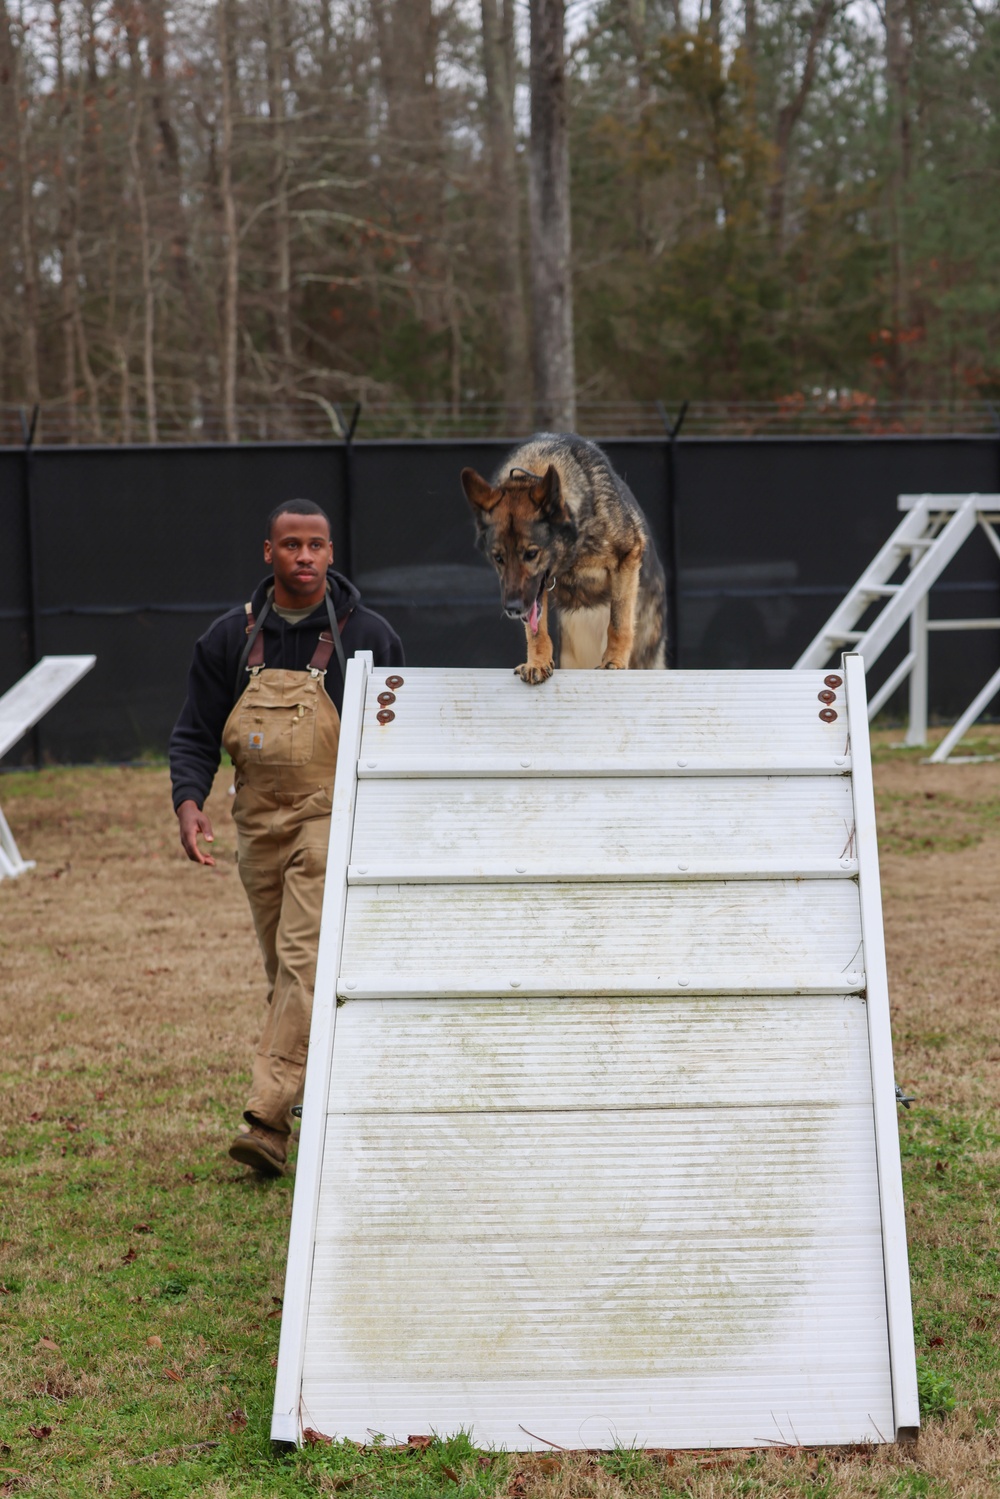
(194, 825)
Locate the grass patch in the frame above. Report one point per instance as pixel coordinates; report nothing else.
(141, 1271)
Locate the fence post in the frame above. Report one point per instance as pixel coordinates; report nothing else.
(347, 428)
(28, 428)
(670, 518)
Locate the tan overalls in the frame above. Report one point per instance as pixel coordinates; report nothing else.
(282, 736)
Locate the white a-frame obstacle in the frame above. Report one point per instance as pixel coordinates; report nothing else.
(933, 529)
(21, 707)
(599, 1140)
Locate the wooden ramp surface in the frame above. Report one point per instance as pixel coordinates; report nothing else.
(599, 1142)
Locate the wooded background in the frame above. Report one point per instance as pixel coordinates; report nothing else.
(220, 220)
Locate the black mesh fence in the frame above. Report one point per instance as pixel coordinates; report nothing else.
(131, 552)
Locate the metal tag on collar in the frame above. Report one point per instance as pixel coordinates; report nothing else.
(317, 672)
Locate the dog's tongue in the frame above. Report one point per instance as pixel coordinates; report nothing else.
(536, 610)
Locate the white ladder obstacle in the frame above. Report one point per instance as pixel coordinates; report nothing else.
(932, 531)
(21, 707)
(599, 1141)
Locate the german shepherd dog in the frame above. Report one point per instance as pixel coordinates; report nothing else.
(559, 524)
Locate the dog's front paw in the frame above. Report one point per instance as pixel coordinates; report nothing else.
(613, 663)
(534, 672)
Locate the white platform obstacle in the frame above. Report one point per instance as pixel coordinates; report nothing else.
(599, 1141)
(21, 707)
(933, 530)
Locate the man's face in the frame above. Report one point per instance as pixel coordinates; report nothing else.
(300, 552)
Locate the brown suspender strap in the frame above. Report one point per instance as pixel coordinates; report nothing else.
(324, 650)
(253, 657)
(256, 656)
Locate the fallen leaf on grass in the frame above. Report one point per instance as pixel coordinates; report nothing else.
(518, 1486)
(141, 1228)
(237, 1419)
(173, 1374)
(153, 1341)
(935, 1342)
(35, 1118)
(549, 1464)
(47, 1343)
(129, 1256)
(100, 1097)
(40, 1432)
(189, 1177)
(450, 1473)
(275, 1313)
(314, 1438)
(420, 1443)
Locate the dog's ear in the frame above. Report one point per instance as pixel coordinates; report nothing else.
(480, 495)
(547, 495)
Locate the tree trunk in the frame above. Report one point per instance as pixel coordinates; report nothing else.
(65, 230)
(548, 197)
(19, 118)
(498, 66)
(230, 236)
(898, 59)
(276, 68)
(407, 32)
(750, 33)
(171, 210)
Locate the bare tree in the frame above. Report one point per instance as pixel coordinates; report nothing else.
(12, 71)
(898, 63)
(137, 158)
(549, 205)
(277, 54)
(226, 20)
(499, 67)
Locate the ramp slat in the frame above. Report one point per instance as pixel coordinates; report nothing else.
(588, 722)
(619, 824)
(629, 1053)
(411, 939)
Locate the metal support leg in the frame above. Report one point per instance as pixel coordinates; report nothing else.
(917, 731)
(972, 712)
(11, 863)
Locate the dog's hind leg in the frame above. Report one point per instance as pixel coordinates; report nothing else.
(624, 593)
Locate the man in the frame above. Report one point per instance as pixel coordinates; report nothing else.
(260, 687)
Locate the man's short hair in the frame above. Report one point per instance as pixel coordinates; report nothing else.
(296, 507)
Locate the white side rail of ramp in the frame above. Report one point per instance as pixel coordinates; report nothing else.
(599, 1142)
(21, 707)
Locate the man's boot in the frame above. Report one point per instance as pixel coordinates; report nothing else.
(264, 1150)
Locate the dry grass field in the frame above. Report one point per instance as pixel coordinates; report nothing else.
(141, 1271)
